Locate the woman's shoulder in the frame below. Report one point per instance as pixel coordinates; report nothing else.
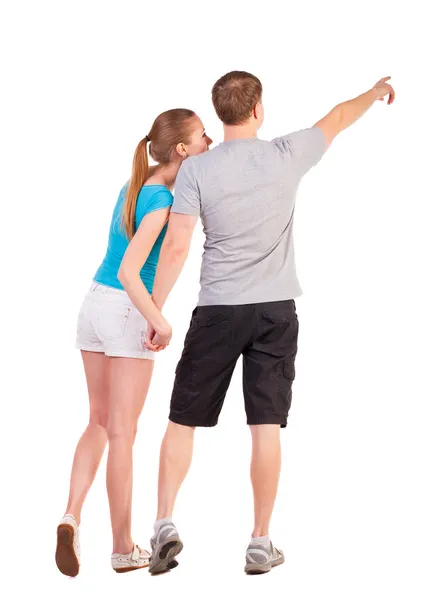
(153, 197)
(152, 189)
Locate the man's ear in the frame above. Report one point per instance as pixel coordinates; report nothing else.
(256, 111)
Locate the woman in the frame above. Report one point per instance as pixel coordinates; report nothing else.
(111, 334)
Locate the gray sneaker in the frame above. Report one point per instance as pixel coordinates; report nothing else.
(260, 560)
(166, 544)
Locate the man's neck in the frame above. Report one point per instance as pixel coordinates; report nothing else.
(236, 132)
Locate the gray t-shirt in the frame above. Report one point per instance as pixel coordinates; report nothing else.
(244, 190)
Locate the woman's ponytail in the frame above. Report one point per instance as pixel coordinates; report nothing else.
(168, 130)
(138, 177)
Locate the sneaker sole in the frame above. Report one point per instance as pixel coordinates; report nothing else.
(66, 559)
(258, 569)
(164, 555)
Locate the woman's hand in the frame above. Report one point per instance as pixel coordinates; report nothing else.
(158, 338)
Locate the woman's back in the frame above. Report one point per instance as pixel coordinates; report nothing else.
(150, 198)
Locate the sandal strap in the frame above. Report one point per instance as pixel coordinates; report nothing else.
(135, 555)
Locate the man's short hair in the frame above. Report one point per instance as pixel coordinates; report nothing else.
(234, 96)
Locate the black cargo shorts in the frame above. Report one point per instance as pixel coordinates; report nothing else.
(265, 334)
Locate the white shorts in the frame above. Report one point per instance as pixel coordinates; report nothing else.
(109, 322)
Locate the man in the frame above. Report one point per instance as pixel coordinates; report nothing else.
(244, 191)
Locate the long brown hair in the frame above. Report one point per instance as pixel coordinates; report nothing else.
(168, 130)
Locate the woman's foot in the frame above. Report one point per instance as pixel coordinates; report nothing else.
(137, 559)
(68, 547)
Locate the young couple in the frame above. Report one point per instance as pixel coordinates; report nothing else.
(244, 191)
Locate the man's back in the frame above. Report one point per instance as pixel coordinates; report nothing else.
(244, 190)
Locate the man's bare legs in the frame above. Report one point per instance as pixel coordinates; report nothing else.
(176, 456)
(175, 459)
(265, 471)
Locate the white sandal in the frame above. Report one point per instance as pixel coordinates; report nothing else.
(137, 559)
(68, 547)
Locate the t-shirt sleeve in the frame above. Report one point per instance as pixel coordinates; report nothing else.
(305, 147)
(187, 200)
(162, 199)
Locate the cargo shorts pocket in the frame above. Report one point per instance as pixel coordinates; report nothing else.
(288, 370)
(208, 335)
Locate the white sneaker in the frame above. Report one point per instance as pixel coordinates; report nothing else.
(68, 547)
(137, 559)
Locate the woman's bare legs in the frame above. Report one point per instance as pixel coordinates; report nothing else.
(92, 443)
(129, 380)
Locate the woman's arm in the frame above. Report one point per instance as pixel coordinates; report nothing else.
(135, 257)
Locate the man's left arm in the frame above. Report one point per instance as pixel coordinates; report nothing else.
(173, 255)
(184, 214)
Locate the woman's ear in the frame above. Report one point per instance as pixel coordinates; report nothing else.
(181, 150)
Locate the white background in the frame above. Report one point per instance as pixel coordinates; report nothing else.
(83, 82)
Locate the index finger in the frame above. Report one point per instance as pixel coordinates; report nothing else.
(150, 346)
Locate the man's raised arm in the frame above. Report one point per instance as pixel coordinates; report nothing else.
(347, 113)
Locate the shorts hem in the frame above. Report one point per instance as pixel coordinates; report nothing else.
(189, 422)
(88, 349)
(125, 354)
(118, 354)
(282, 424)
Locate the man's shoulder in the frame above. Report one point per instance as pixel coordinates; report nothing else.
(205, 158)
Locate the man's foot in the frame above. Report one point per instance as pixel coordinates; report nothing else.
(136, 559)
(166, 544)
(262, 556)
(68, 547)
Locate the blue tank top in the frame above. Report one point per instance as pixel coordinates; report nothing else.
(150, 198)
